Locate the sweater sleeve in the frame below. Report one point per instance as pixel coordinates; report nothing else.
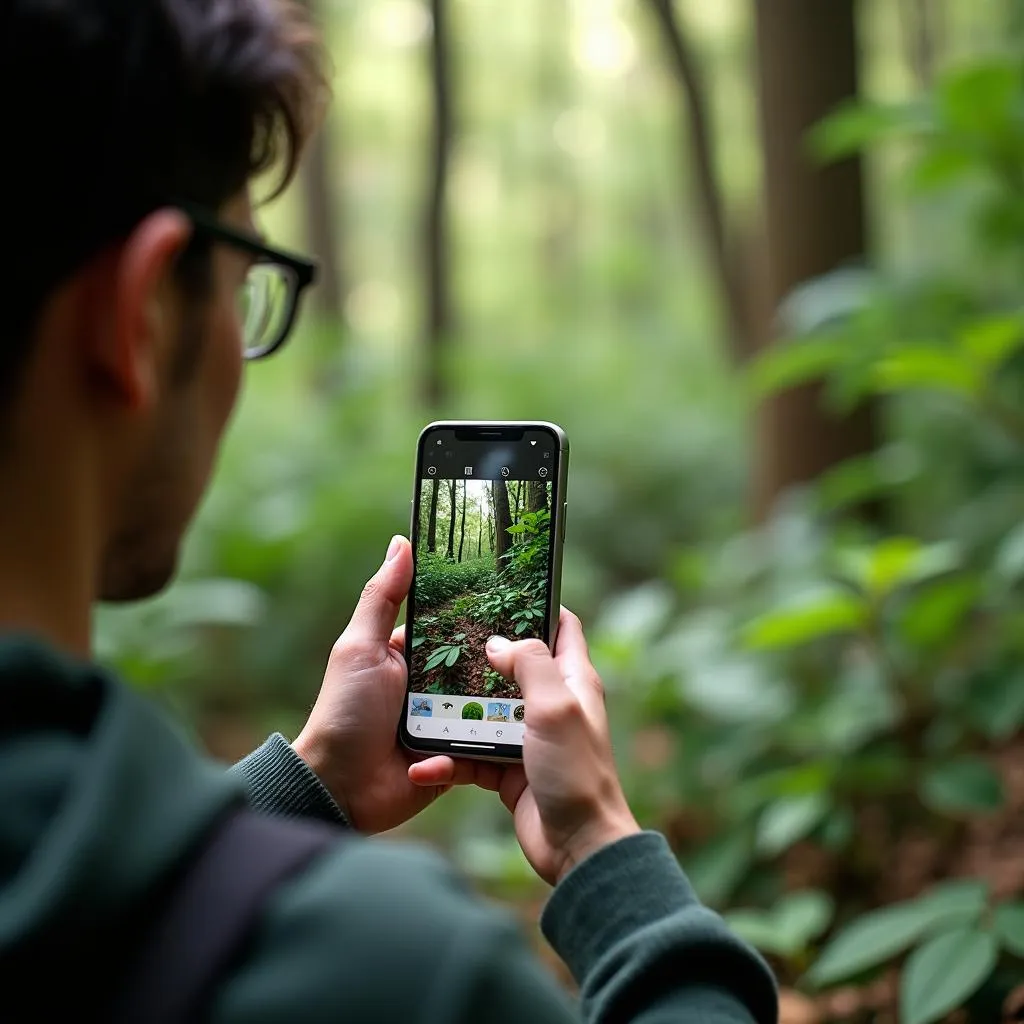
(642, 946)
(385, 931)
(279, 782)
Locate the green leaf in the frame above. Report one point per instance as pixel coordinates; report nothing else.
(932, 616)
(516, 530)
(789, 927)
(856, 125)
(436, 658)
(1010, 557)
(822, 612)
(965, 786)
(418, 642)
(759, 929)
(959, 902)
(453, 656)
(459, 637)
(718, 868)
(801, 917)
(996, 704)
(945, 972)
(879, 936)
(896, 562)
(787, 364)
(787, 821)
(929, 368)
(991, 342)
(522, 627)
(978, 101)
(942, 166)
(1009, 925)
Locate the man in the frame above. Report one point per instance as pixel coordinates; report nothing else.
(133, 129)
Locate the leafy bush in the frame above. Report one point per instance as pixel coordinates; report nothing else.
(846, 688)
(439, 580)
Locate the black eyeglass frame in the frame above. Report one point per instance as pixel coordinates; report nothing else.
(303, 270)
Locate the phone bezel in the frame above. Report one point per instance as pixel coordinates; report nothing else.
(505, 752)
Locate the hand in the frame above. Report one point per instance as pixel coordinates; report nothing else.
(566, 797)
(351, 737)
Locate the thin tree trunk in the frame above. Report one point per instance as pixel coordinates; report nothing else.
(502, 519)
(480, 532)
(707, 199)
(922, 31)
(462, 534)
(815, 221)
(432, 521)
(436, 249)
(323, 218)
(318, 173)
(453, 510)
(537, 496)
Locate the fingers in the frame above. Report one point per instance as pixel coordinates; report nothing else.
(571, 649)
(374, 618)
(528, 662)
(513, 785)
(398, 639)
(446, 771)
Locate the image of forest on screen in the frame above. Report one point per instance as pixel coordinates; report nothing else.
(482, 564)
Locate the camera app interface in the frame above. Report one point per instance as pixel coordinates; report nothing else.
(483, 557)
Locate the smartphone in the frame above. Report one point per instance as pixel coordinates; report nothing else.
(488, 526)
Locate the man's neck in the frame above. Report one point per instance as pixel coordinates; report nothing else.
(47, 559)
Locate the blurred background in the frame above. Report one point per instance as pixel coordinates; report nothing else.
(764, 261)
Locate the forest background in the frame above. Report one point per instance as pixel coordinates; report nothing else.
(764, 261)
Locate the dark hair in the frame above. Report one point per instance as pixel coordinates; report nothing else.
(113, 108)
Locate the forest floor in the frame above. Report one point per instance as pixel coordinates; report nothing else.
(468, 677)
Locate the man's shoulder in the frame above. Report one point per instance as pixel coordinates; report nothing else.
(373, 928)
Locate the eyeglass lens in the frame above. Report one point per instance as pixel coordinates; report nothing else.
(265, 305)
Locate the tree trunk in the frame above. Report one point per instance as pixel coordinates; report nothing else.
(322, 216)
(537, 496)
(706, 199)
(807, 57)
(480, 532)
(318, 173)
(453, 509)
(462, 534)
(432, 521)
(436, 254)
(502, 519)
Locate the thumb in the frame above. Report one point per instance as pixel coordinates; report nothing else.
(377, 610)
(530, 664)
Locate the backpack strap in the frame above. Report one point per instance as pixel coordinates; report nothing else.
(211, 912)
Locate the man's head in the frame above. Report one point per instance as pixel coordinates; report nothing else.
(133, 129)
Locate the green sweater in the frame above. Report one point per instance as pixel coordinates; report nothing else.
(101, 799)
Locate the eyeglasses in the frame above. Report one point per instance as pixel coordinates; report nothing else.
(269, 299)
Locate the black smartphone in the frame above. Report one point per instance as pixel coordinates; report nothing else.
(488, 525)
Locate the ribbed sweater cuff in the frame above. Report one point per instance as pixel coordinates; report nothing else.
(279, 782)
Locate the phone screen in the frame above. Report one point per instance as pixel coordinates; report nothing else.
(485, 526)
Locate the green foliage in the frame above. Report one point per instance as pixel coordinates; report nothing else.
(439, 579)
(943, 973)
(830, 668)
(447, 654)
(516, 601)
(789, 927)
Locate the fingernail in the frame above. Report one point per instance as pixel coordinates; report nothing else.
(393, 549)
(497, 644)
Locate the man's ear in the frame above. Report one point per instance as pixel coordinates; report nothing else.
(144, 313)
